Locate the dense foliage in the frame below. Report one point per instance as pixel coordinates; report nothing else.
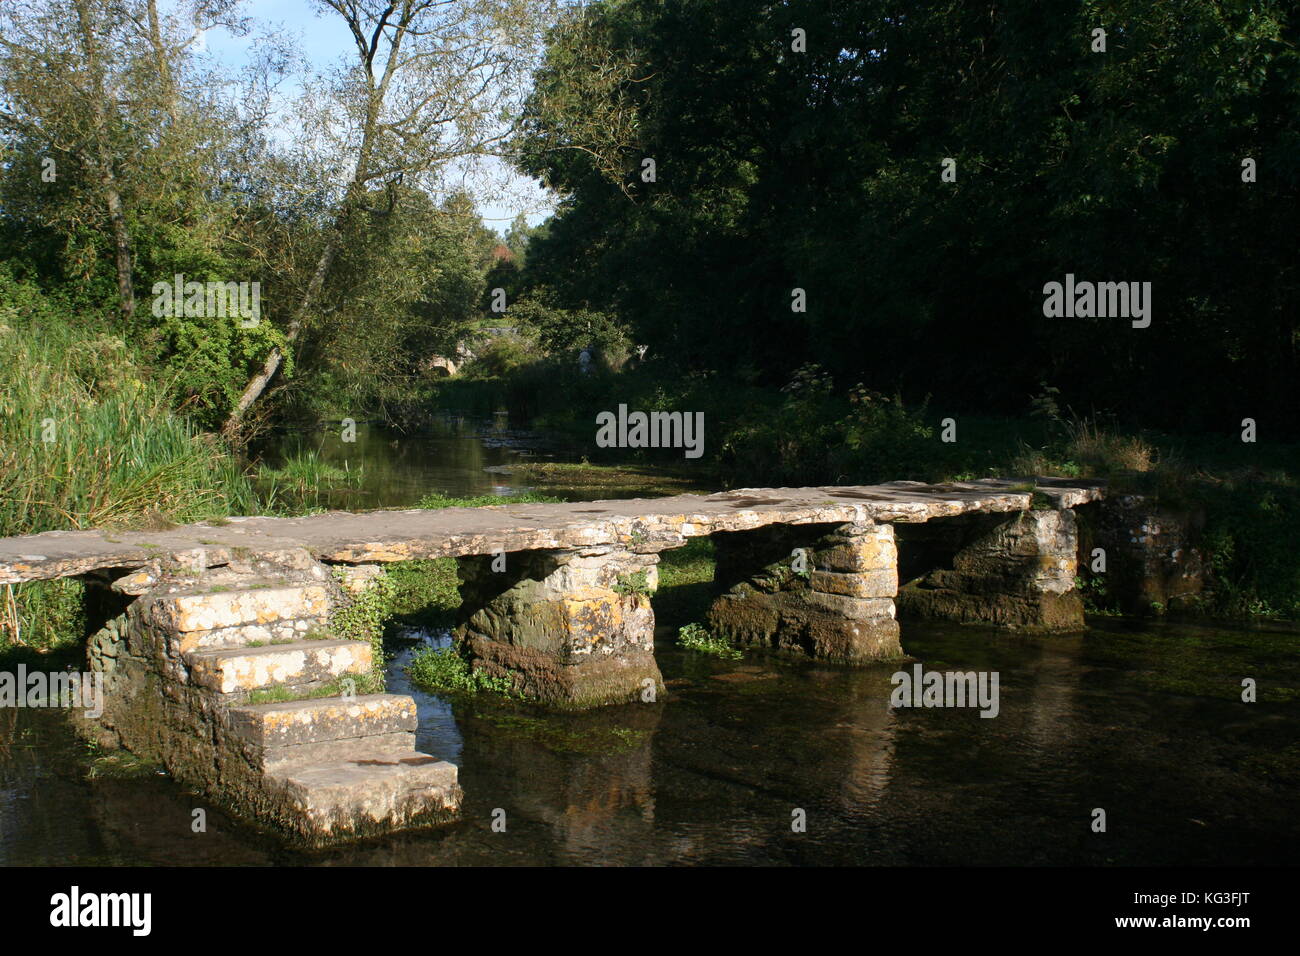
(821, 170)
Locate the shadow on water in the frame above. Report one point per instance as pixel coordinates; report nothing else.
(712, 773)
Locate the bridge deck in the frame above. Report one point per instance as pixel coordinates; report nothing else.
(639, 524)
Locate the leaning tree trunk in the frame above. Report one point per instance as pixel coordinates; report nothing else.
(378, 90)
(262, 378)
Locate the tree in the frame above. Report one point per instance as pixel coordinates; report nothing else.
(152, 155)
(63, 70)
(820, 169)
(429, 84)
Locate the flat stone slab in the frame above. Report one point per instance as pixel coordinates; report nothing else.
(282, 761)
(637, 524)
(238, 669)
(380, 791)
(295, 722)
(205, 610)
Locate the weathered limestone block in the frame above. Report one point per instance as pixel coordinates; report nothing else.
(839, 607)
(301, 665)
(291, 724)
(369, 795)
(1015, 573)
(571, 628)
(198, 605)
(256, 603)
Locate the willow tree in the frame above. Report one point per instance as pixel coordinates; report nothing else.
(429, 84)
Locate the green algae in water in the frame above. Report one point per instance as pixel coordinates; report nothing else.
(1203, 662)
(551, 733)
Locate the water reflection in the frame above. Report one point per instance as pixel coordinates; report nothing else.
(448, 457)
(712, 773)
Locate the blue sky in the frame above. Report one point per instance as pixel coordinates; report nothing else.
(322, 39)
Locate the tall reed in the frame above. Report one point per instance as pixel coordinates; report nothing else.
(87, 439)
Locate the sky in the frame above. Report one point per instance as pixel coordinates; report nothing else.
(322, 39)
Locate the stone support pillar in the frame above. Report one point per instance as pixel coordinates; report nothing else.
(826, 591)
(1013, 571)
(570, 628)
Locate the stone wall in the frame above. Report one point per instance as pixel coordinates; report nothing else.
(1153, 554)
(182, 667)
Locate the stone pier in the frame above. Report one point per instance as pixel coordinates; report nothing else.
(570, 628)
(828, 593)
(1016, 572)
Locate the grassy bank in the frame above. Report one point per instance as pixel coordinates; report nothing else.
(90, 436)
(88, 439)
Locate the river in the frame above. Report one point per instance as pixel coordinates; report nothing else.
(1141, 720)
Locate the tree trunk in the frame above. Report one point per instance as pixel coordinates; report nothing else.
(103, 160)
(121, 239)
(160, 59)
(351, 197)
(257, 384)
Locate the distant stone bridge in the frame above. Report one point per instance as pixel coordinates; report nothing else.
(223, 667)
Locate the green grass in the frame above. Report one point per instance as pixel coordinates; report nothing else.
(88, 439)
(335, 688)
(685, 582)
(424, 592)
(118, 765)
(445, 670)
(435, 500)
(361, 617)
(304, 481)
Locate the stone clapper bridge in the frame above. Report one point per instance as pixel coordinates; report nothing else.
(225, 610)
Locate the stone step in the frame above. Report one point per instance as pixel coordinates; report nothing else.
(246, 635)
(225, 611)
(295, 722)
(299, 664)
(253, 601)
(369, 792)
(279, 761)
